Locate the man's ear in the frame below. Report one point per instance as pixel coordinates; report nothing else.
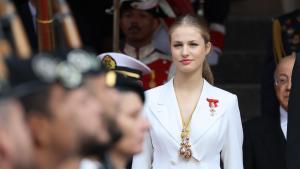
(40, 129)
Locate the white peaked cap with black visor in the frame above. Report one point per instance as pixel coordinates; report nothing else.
(124, 64)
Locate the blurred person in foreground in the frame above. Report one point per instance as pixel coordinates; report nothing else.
(16, 145)
(131, 122)
(62, 115)
(128, 72)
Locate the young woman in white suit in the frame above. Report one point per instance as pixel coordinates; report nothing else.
(194, 125)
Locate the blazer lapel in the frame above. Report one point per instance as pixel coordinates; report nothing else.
(203, 118)
(166, 111)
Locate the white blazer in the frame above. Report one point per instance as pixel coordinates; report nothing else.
(212, 137)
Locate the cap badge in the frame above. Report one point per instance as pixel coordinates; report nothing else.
(111, 78)
(109, 62)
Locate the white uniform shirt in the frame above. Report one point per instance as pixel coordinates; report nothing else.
(283, 120)
(89, 164)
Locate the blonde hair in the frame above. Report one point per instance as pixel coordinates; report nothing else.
(201, 25)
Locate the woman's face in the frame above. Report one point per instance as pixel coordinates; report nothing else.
(132, 124)
(188, 48)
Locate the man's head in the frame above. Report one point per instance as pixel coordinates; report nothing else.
(138, 25)
(85, 117)
(62, 115)
(16, 145)
(63, 120)
(130, 119)
(282, 77)
(102, 87)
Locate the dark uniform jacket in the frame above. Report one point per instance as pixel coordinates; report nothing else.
(293, 131)
(264, 144)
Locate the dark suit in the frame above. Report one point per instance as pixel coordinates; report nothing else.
(264, 144)
(293, 134)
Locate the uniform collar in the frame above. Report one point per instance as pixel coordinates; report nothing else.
(283, 114)
(139, 53)
(283, 120)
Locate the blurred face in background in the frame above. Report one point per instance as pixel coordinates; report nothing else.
(71, 120)
(65, 109)
(109, 99)
(138, 26)
(132, 124)
(88, 117)
(282, 76)
(78, 112)
(16, 145)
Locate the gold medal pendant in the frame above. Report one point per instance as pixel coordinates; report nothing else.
(185, 146)
(185, 150)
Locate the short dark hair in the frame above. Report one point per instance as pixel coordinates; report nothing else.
(37, 102)
(125, 84)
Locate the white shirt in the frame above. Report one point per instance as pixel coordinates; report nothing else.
(283, 120)
(89, 164)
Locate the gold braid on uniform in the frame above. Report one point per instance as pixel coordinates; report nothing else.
(42, 21)
(277, 41)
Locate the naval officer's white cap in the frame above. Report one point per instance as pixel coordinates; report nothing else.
(124, 64)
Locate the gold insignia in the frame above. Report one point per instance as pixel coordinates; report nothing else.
(109, 62)
(152, 82)
(129, 74)
(111, 78)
